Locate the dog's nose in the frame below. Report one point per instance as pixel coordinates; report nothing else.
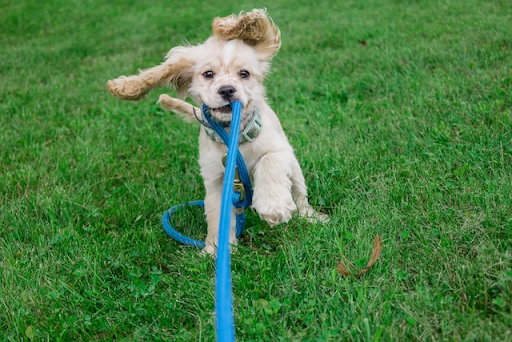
(227, 92)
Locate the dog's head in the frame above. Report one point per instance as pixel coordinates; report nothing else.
(227, 67)
(223, 72)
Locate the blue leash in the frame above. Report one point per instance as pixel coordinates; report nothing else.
(225, 322)
(166, 221)
(245, 202)
(225, 325)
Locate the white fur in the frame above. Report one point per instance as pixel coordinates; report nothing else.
(278, 183)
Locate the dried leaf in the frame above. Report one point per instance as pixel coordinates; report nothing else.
(343, 269)
(376, 250)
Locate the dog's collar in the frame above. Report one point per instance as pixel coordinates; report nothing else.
(250, 131)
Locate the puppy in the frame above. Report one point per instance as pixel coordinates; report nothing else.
(231, 66)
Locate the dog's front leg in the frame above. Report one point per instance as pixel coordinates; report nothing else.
(212, 206)
(188, 111)
(272, 188)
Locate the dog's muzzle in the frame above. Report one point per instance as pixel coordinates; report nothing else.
(224, 110)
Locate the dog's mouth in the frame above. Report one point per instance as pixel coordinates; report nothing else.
(222, 110)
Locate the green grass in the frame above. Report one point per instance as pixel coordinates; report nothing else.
(400, 113)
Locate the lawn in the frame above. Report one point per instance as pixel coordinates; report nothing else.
(400, 112)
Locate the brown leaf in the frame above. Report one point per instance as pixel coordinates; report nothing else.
(376, 250)
(343, 269)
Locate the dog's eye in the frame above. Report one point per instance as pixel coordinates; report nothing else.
(244, 74)
(208, 74)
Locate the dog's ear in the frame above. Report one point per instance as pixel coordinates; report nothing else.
(255, 28)
(175, 71)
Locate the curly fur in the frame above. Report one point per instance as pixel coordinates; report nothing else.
(255, 29)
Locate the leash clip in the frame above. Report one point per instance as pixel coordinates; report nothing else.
(238, 185)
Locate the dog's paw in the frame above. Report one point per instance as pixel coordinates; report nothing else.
(318, 218)
(311, 215)
(209, 250)
(275, 212)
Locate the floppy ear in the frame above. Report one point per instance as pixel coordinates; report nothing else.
(255, 28)
(175, 71)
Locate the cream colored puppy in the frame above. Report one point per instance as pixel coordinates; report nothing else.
(230, 66)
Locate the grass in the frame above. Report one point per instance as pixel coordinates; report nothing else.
(400, 113)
